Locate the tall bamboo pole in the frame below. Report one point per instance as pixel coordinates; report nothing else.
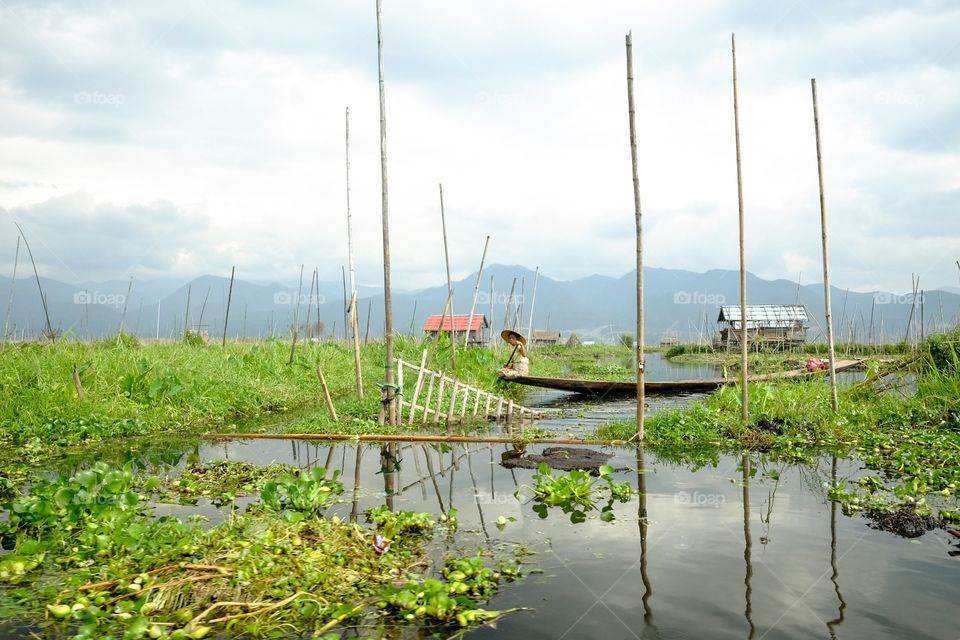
(476, 290)
(226, 313)
(296, 317)
(826, 254)
(353, 275)
(446, 258)
(186, 313)
(533, 301)
(158, 320)
(346, 304)
(388, 311)
(13, 286)
(492, 341)
(638, 217)
(743, 263)
(366, 332)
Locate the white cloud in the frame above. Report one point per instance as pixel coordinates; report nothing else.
(235, 114)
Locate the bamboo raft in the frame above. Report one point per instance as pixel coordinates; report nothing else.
(601, 388)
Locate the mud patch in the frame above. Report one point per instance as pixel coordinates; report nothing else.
(905, 522)
(560, 458)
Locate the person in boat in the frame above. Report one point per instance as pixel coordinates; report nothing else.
(518, 364)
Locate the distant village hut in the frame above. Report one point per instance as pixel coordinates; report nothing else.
(477, 336)
(543, 337)
(769, 326)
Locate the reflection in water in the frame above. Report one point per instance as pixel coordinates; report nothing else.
(355, 508)
(835, 575)
(644, 526)
(388, 467)
(747, 546)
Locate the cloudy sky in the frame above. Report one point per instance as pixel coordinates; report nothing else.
(173, 139)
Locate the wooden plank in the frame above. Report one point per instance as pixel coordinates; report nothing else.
(436, 415)
(417, 387)
(453, 401)
(426, 403)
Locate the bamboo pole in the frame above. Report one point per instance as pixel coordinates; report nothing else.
(296, 317)
(43, 299)
(743, 265)
(638, 218)
(203, 308)
(76, 383)
(533, 301)
(413, 317)
(123, 314)
(353, 275)
(399, 438)
(326, 394)
(449, 304)
(476, 292)
(834, 399)
(226, 315)
(366, 333)
(13, 286)
(388, 311)
(346, 305)
(492, 341)
(186, 312)
(426, 403)
(417, 387)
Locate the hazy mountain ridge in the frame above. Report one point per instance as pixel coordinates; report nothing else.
(678, 303)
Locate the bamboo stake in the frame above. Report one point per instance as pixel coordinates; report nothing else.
(346, 304)
(226, 314)
(76, 383)
(743, 264)
(186, 313)
(453, 401)
(436, 415)
(417, 387)
(476, 292)
(834, 400)
(913, 305)
(638, 217)
(296, 317)
(43, 299)
(508, 304)
(326, 394)
(426, 403)
(353, 276)
(314, 284)
(388, 311)
(123, 314)
(492, 341)
(13, 286)
(366, 333)
(203, 308)
(413, 317)
(533, 301)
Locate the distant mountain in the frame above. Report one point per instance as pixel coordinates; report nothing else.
(678, 303)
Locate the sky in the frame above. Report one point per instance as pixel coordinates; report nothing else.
(175, 139)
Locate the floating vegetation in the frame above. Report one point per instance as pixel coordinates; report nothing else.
(89, 560)
(576, 492)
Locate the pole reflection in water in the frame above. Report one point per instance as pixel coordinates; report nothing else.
(389, 468)
(354, 511)
(433, 478)
(644, 525)
(747, 546)
(835, 576)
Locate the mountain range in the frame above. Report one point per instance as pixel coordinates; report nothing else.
(678, 304)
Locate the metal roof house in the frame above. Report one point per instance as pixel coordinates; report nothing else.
(472, 331)
(545, 337)
(769, 326)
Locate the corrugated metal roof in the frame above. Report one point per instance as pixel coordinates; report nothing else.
(458, 322)
(766, 315)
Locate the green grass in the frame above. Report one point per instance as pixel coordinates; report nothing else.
(135, 390)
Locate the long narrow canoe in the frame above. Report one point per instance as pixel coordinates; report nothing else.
(613, 387)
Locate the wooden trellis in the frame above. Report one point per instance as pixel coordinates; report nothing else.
(451, 400)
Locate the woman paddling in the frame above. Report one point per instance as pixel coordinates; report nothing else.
(518, 364)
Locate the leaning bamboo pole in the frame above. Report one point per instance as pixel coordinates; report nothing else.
(123, 314)
(373, 437)
(743, 265)
(226, 314)
(387, 407)
(446, 259)
(834, 399)
(476, 292)
(353, 274)
(43, 299)
(533, 301)
(639, 228)
(13, 286)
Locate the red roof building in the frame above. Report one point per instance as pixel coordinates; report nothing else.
(460, 323)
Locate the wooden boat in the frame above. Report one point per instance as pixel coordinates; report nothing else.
(600, 388)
